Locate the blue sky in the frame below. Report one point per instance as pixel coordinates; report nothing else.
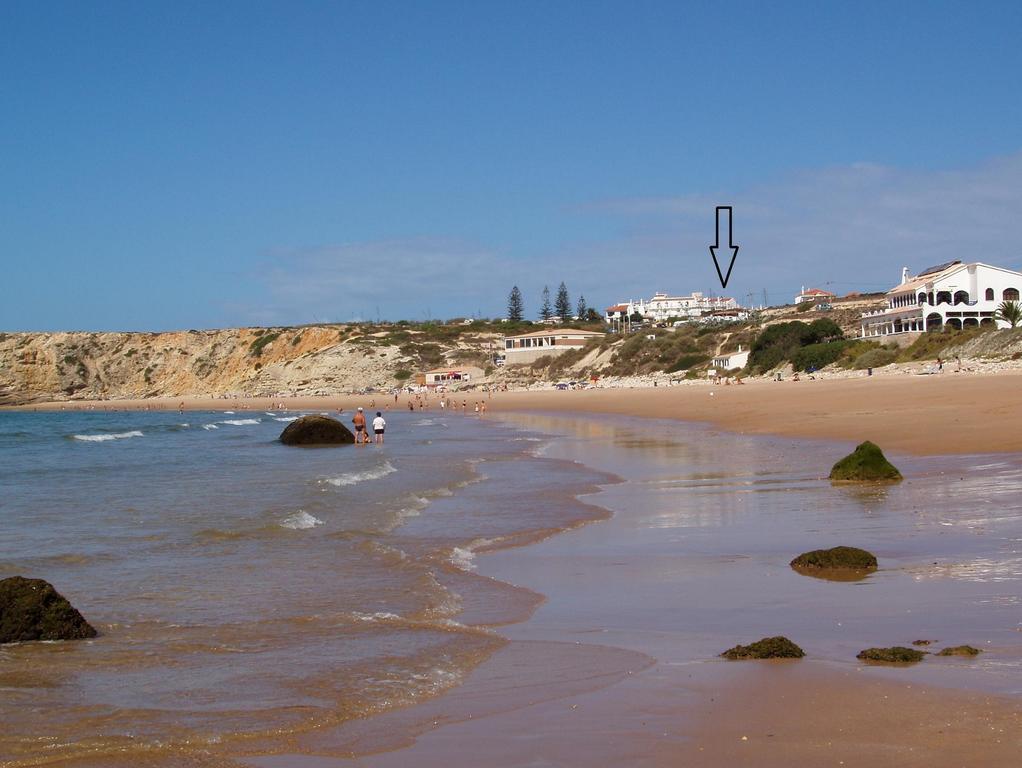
(185, 165)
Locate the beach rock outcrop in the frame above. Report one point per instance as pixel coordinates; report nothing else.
(836, 558)
(778, 647)
(897, 654)
(31, 609)
(316, 430)
(960, 650)
(865, 464)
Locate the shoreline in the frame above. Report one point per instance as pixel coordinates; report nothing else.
(677, 710)
(945, 414)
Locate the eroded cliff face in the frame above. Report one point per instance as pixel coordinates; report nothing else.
(37, 367)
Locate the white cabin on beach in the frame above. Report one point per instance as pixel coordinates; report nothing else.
(731, 360)
(531, 346)
(447, 376)
(952, 295)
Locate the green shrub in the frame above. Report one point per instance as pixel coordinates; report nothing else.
(930, 345)
(255, 349)
(779, 343)
(875, 358)
(817, 356)
(402, 374)
(686, 362)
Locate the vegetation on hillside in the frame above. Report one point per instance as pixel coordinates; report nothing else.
(780, 343)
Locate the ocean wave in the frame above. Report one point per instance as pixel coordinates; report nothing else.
(462, 558)
(285, 418)
(240, 422)
(210, 426)
(106, 437)
(353, 478)
(300, 520)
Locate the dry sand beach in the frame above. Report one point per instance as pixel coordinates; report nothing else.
(618, 665)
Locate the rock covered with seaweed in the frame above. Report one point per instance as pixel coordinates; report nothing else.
(31, 609)
(778, 647)
(316, 430)
(865, 464)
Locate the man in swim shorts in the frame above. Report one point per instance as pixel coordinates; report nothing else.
(359, 422)
(379, 424)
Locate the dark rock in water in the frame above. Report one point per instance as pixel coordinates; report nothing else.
(836, 558)
(895, 655)
(768, 648)
(866, 463)
(316, 430)
(31, 609)
(960, 650)
(921, 642)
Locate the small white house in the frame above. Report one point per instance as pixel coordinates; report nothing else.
(447, 376)
(953, 295)
(814, 294)
(531, 346)
(731, 360)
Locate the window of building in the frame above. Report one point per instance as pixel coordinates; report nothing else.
(989, 294)
(1010, 294)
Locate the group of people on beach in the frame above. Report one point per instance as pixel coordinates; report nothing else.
(362, 431)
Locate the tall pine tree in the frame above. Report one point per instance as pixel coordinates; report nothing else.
(515, 306)
(545, 310)
(580, 308)
(563, 303)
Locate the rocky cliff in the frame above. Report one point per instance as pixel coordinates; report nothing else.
(37, 367)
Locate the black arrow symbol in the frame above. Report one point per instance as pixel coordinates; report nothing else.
(733, 248)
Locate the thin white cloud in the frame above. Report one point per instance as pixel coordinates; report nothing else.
(850, 226)
(401, 278)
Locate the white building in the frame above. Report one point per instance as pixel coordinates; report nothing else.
(531, 346)
(954, 295)
(663, 307)
(731, 360)
(814, 294)
(447, 376)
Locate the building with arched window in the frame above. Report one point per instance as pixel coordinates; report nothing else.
(952, 295)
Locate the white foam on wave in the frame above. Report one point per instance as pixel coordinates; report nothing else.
(105, 438)
(463, 558)
(300, 520)
(210, 426)
(285, 418)
(229, 413)
(378, 616)
(353, 478)
(240, 422)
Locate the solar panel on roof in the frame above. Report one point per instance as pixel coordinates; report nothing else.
(939, 268)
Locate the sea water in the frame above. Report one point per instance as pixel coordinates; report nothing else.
(244, 591)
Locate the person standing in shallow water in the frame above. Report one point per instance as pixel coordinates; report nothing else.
(359, 422)
(379, 425)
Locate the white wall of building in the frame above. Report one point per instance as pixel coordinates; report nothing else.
(965, 295)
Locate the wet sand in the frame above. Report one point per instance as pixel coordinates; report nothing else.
(949, 413)
(619, 665)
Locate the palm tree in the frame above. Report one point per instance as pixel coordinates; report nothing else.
(1009, 312)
